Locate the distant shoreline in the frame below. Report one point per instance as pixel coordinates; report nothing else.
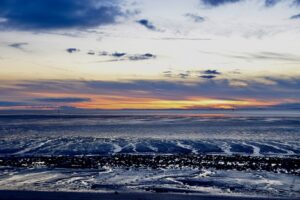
(236, 111)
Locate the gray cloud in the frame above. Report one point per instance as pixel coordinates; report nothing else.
(147, 24)
(11, 103)
(181, 75)
(274, 56)
(167, 74)
(63, 100)
(208, 76)
(58, 14)
(127, 57)
(18, 45)
(72, 50)
(260, 56)
(295, 16)
(195, 18)
(182, 38)
(145, 56)
(184, 75)
(104, 53)
(212, 72)
(296, 2)
(214, 3)
(118, 55)
(91, 53)
(287, 106)
(213, 88)
(271, 3)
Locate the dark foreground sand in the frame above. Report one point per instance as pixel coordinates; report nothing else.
(34, 195)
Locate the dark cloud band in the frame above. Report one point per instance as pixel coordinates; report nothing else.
(208, 76)
(218, 2)
(63, 100)
(56, 14)
(217, 88)
(11, 104)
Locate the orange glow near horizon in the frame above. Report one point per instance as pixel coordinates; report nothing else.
(115, 102)
(154, 103)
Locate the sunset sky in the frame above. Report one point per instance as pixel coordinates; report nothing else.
(149, 54)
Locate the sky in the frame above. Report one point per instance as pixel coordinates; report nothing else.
(149, 54)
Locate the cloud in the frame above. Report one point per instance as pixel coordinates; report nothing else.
(266, 55)
(218, 2)
(118, 55)
(214, 72)
(72, 50)
(297, 2)
(103, 53)
(271, 3)
(125, 56)
(195, 18)
(11, 104)
(287, 106)
(237, 83)
(91, 53)
(193, 74)
(145, 56)
(63, 100)
(57, 14)
(182, 38)
(208, 76)
(184, 75)
(18, 45)
(144, 91)
(274, 56)
(295, 16)
(146, 23)
(167, 74)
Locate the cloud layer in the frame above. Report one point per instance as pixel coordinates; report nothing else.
(153, 93)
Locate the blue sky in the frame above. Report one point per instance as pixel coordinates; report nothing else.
(118, 54)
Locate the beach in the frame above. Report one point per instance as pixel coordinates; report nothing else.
(172, 155)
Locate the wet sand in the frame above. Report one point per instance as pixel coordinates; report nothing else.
(221, 162)
(37, 195)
